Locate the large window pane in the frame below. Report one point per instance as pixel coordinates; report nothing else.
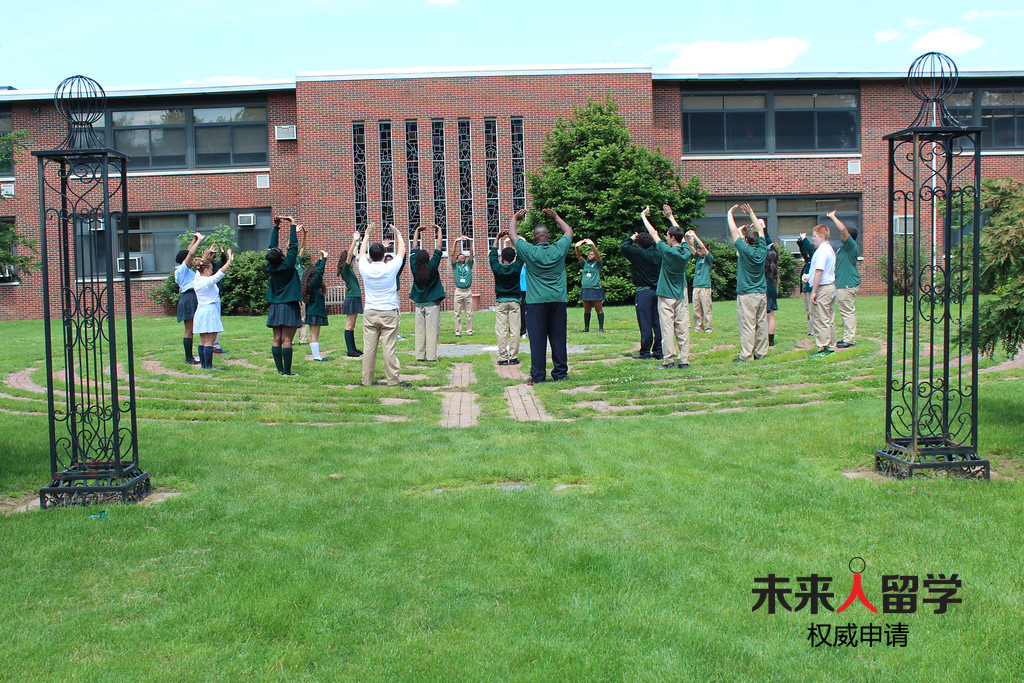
(213, 146)
(134, 143)
(837, 130)
(6, 126)
(835, 101)
(999, 128)
(705, 132)
(794, 101)
(249, 144)
(151, 117)
(230, 114)
(794, 130)
(168, 146)
(745, 131)
(697, 102)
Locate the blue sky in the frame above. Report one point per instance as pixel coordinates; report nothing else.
(173, 42)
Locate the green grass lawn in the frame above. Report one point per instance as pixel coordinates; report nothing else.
(448, 554)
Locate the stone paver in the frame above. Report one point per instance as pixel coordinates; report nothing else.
(459, 409)
(524, 406)
(462, 375)
(23, 380)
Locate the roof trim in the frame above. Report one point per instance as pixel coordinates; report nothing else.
(472, 71)
(820, 76)
(156, 91)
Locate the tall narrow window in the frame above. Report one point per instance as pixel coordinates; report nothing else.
(491, 177)
(359, 173)
(440, 197)
(465, 179)
(6, 160)
(518, 165)
(412, 174)
(387, 178)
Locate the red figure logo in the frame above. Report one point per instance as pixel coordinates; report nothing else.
(858, 590)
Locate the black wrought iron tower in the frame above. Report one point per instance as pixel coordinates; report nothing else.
(931, 402)
(83, 219)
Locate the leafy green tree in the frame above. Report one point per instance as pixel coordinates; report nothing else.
(599, 180)
(17, 252)
(1001, 321)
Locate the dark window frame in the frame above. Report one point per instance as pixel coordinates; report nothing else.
(975, 113)
(770, 112)
(7, 169)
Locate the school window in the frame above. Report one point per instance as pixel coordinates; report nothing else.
(188, 136)
(786, 217)
(153, 240)
(768, 122)
(7, 236)
(1000, 113)
(6, 160)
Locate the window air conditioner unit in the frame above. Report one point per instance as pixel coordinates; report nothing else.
(284, 132)
(903, 225)
(245, 219)
(134, 264)
(6, 190)
(8, 271)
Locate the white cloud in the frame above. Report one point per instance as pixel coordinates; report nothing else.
(992, 14)
(887, 36)
(723, 56)
(951, 41)
(912, 22)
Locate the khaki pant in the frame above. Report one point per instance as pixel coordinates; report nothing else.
(506, 329)
(428, 329)
(752, 319)
(809, 310)
(846, 307)
(303, 331)
(674, 315)
(383, 326)
(824, 317)
(702, 309)
(463, 302)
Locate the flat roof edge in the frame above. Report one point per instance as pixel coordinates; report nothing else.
(457, 72)
(154, 91)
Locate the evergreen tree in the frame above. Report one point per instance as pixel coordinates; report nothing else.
(599, 180)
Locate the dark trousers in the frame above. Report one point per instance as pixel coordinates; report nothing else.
(522, 312)
(649, 322)
(547, 323)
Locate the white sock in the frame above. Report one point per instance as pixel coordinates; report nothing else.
(315, 348)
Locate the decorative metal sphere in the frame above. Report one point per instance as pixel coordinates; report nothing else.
(932, 77)
(80, 100)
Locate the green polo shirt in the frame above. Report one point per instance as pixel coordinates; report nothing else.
(285, 284)
(644, 264)
(672, 279)
(317, 305)
(348, 276)
(591, 275)
(463, 273)
(702, 270)
(750, 267)
(506, 278)
(434, 290)
(846, 264)
(545, 268)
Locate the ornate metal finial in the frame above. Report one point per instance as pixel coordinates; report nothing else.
(80, 101)
(932, 78)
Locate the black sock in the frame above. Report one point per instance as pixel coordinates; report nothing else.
(276, 351)
(202, 356)
(586, 320)
(187, 342)
(350, 341)
(208, 358)
(771, 340)
(600, 320)
(286, 360)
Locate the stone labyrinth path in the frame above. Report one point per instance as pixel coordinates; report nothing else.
(603, 383)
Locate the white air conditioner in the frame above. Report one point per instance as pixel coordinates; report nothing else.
(246, 219)
(284, 132)
(134, 264)
(6, 190)
(8, 272)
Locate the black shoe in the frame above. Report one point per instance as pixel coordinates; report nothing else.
(641, 355)
(502, 362)
(289, 374)
(353, 354)
(683, 366)
(656, 355)
(738, 360)
(404, 385)
(585, 329)
(757, 357)
(665, 366)
(192, 362)
(844, 345)
(513, 361)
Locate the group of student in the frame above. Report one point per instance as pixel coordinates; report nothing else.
(530, 292)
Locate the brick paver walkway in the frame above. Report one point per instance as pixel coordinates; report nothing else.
(524, 406)
(459, 408)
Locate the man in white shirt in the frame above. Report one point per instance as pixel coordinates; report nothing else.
(380, 307)
(823, 292)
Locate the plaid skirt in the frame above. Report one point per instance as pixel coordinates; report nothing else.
(187, 305)
(284, 315)
(352, 304)
(320, 320)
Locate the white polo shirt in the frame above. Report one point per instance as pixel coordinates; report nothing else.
(380, 291)
(824, 259)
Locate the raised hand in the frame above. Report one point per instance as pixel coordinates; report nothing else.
(803, 235)
(831, 214)
(519, 215)
(646, 212)
(745, 208)
(550, 213)
(666, 210)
